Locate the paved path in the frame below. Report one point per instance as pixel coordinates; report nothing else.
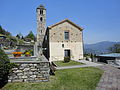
(110, 80)
(87, 64)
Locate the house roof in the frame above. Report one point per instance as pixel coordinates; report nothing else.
(66, 20)
(110, 55)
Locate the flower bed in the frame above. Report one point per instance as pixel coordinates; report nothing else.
(17, 54)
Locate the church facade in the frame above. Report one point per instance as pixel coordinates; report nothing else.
(63, 39)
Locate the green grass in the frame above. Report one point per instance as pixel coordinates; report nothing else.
(71, 63)
(68, 79)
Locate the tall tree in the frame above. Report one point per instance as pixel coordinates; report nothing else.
(4, 32)
(31, 35)
(115, 48)
(18, 36)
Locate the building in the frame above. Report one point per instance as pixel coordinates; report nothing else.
(5, 42)
(106, 58)
(63, 39)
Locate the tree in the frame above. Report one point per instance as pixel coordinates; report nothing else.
(18, 36)
(115, 48)
(4, 32)
(30, 36)
(22, 37)
(4, 67)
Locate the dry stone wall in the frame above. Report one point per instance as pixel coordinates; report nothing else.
(29, 71)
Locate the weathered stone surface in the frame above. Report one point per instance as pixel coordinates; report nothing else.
(20, 74)
(24, 76)
(18, 71)
(17, 80)
(26, 69)
(30, 72)
(33, 76)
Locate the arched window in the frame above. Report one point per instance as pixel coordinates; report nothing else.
(41, 19)
(41, 11)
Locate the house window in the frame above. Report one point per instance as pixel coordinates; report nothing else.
(66, 35)
(62, 45)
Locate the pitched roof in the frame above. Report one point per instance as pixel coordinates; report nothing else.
(66, 20)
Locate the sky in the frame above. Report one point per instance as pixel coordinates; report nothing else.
(99, 18)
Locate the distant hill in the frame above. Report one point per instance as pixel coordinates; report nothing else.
(98, 48)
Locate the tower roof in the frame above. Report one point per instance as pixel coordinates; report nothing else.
(41, 7)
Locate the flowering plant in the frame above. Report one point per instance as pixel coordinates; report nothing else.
(17, 54)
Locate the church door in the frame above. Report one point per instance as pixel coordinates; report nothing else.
(67, 53)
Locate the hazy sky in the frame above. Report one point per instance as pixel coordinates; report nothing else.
(99, 18)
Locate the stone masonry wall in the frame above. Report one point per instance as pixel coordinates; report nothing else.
(29, 71)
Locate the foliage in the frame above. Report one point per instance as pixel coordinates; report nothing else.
(28, 52)
(115, 48)
(13, 39)
(8, 36)
(68, 79)
(66, 59)
(30, 36)
(18, 36)
(4, 66)
(31, 52)
(4, 32)
(21, 41)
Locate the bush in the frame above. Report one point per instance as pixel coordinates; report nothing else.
(66, 59)
(28, 52)
(4, 67)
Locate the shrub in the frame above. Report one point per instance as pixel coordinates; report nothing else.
(66, 59)
(28, 52)
(4, 67)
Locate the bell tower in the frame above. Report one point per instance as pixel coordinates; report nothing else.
(41, 23)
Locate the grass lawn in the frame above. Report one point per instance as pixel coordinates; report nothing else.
(62, 63)
(68, 79)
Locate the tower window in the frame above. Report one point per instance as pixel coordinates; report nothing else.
(41, 19)
(41, 12)
(41, 31)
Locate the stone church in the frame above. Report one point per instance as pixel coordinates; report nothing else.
(62, 39)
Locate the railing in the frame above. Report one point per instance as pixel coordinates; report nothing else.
(115, 63)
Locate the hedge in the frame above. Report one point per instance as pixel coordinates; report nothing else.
(4, 67)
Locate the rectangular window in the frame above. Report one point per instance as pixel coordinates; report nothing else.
(66, 35)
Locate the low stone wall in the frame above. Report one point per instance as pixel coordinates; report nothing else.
(29, 71)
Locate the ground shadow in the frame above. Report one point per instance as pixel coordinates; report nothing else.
(3, 81)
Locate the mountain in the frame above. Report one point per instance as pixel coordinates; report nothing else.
(98, 48)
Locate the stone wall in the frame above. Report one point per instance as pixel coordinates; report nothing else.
(23, 48)
(29, 71)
